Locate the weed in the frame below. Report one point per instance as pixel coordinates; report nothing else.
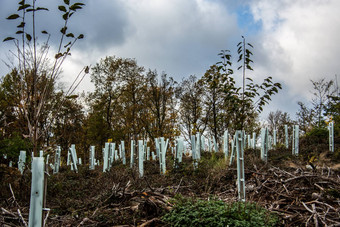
(188, 212)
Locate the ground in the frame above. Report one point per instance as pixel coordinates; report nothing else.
(302, 191)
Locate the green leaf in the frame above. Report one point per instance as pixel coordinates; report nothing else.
(23, 7)
(81, 36)
(70, 35)
(240, 58)
(62, 8)
(22, 2)
(65, 16)
(69, 43)
(67, 2)
(30, 10)
(28, 37)
(79, 4)
(21, 25)
(19, 32)
(59, 55)
(63, 30)
(42, 8)
(75, 7)
(44, 32)
(7, 39)
(13, 17)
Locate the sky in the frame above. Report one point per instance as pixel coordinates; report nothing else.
(294, 41)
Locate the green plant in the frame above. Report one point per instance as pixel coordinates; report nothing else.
(188, 212)
(11, 146)
(36, 77)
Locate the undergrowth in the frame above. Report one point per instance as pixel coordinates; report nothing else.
(188, 212)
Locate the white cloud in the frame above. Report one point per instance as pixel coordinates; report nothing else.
(296, 42)
(179, 37)
(299, 41)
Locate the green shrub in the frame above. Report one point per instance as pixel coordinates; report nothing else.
(187, 212)
(11, 146)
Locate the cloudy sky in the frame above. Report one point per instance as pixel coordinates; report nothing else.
(294, 41)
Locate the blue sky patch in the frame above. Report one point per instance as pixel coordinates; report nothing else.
(246, 21)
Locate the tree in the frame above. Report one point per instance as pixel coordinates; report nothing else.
(214, 83)
(36, 76)
(68, 122)
(305, 117)
(332, 108)
(228, 106)
(160, 115)
(190, 93)
(322, 92)
(118, 98)
(277, 120)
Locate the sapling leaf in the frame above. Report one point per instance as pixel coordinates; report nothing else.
(70, 35)
(65, 16)
(240, 58)
(58, 55)
(69, 43)
(21, 25)
(62, 8)
(67, 2)
(23, 7)
(81, 36)
(22, 2)
(42, 8)
(13, 17)
(30, 10)
(63, 30)
(19, 32)
(28, 37)
(75, 7)
(44, 32)
(7, 39)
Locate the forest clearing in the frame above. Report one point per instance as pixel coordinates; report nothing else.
(142, 148)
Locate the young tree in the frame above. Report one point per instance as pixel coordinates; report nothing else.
(305, 117)
(36, 76)
(322, 90)
(229, 106)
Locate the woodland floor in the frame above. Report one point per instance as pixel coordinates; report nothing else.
(301, 196)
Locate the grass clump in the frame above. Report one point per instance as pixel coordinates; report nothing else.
(188, 212)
